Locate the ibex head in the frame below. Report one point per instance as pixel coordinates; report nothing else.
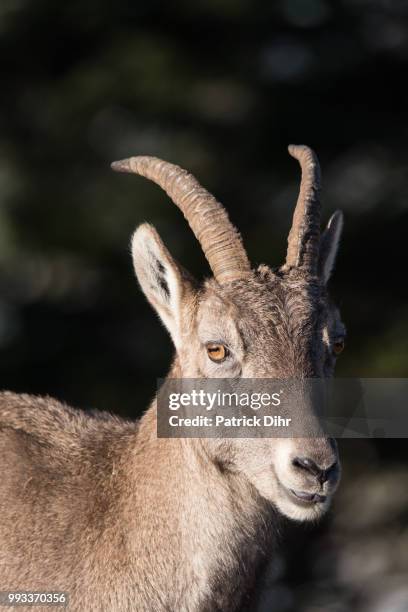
(251, 323)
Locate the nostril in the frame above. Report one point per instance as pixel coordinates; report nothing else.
(326, 474)
(307, 464)
(310, 466)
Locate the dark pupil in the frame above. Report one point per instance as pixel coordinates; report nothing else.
(215, 351)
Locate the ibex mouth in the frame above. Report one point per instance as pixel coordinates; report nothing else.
(309, 498)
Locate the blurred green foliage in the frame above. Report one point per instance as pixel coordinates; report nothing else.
(221, 88)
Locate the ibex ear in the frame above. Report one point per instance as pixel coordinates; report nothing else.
(160, 277)
(329, 245)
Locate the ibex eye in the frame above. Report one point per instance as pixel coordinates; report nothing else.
(338, 346)
(216, 352)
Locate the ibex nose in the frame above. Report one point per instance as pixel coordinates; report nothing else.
(304, 463)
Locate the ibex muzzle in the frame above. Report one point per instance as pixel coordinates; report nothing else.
(124, 520)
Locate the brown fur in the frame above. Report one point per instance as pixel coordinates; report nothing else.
(125, 521)
(122, 520)
(90, 514)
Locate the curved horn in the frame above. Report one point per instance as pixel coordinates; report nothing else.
(304, 236)
(219, 239)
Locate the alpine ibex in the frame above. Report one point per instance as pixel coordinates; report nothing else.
(123, 520)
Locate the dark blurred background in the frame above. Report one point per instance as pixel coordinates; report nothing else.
(220, 87)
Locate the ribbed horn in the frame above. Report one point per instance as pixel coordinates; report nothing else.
(304, 236)
(219, 239)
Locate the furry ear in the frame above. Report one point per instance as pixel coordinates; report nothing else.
(160, 277)
(329, 245)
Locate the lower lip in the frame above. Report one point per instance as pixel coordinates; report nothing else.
(307, 499)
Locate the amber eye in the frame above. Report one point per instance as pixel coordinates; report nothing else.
(338, 346)
(216, 352)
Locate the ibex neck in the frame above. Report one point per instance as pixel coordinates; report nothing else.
(210, 528)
